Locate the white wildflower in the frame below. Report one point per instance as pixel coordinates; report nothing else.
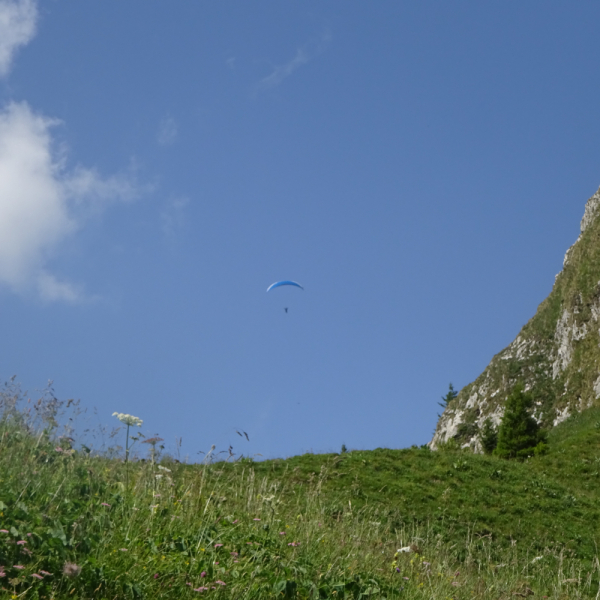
(128, 419)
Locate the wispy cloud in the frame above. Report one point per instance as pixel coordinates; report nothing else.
(173, 216)
(42, 203)
(167, 131)
(304, 54)
(18, 19)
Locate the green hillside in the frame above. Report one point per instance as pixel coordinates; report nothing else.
(75, 525)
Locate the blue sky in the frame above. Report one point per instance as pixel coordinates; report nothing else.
(420, 168)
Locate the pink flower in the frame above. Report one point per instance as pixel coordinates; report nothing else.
(256, 519)
(235, 522)
(59, 449)
(45, 573)
(203, 574)
(105, 504)
(216, 562)
(406, 578)
(200, 589)
(2, 574)
(124, 550)
(18, 567)
(282, 533)
(3, 530)
(21, 542)
(29, 534)
(155, 575)
(220, 582)
(186, 583)
(294, 544)
(37, 576)
(218, 545)
(234, 554)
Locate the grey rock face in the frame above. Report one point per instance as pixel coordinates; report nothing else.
(556, 355)
(591, 211)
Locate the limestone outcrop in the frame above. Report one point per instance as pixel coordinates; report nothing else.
(556, 354)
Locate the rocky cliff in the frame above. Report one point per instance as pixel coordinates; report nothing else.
(556, 354)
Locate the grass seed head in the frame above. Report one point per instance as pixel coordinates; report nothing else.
(71, 570)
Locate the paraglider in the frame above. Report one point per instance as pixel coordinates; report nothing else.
(285, 282)
(280, 283)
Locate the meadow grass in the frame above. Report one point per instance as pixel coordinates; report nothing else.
(74, 524)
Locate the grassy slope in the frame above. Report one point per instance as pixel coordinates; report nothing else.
(550, 499)
(312, 526)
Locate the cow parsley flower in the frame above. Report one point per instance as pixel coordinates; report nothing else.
(129, 420)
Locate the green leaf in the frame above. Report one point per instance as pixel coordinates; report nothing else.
(58, 534)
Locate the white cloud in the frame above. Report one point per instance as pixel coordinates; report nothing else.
(50, 289)
(18, 19)
(173, 216)
(303, 55)
(167, 131)
(41, 203)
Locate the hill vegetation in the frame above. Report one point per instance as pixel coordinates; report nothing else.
(74, 524)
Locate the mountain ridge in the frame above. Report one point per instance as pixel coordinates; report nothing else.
(556, 354)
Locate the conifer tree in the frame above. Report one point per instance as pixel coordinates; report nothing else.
(519, 433)
(488, 436)
(452, 393)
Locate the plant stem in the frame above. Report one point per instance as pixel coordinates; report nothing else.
(126, 459)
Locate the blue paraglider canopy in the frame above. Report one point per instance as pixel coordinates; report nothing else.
(280, 283)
